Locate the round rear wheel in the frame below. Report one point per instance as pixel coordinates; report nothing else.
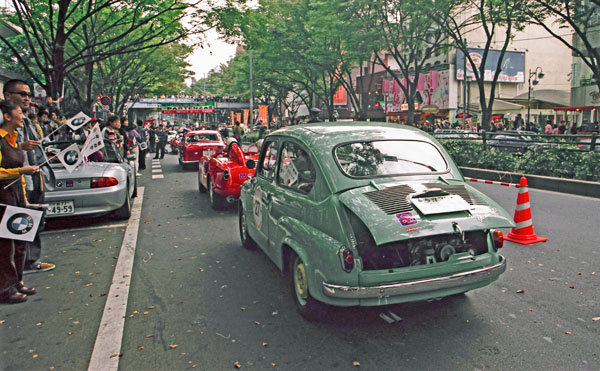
(307, 306)
(216, 201)
(247, 241)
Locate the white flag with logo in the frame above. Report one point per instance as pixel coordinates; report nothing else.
(19, 223)
(94, 142)
(78, 120)
(70, 157)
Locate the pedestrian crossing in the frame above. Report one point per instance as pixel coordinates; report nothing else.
(156, 169)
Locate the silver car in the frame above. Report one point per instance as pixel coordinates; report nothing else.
(102, 185)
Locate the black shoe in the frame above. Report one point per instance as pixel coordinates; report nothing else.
(25, 290)
(12, 296)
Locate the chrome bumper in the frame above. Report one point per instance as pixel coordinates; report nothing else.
(416, 287)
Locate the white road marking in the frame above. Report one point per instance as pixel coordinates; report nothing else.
(107, 348)
(158, 176)
(157, 170)
(155, 165)
(84, 228)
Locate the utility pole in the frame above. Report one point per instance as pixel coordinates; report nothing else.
(465, 83)
(250, 116)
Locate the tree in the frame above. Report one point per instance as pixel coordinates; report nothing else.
(56, 35)
(499, 20)
(580, 17)
(409, 35)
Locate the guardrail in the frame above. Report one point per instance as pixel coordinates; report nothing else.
(583, 142)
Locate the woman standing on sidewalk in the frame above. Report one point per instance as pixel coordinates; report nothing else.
(12, 252)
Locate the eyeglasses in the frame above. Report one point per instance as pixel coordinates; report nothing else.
(24, 94)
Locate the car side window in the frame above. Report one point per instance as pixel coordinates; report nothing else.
(296, 170)
(269, 160)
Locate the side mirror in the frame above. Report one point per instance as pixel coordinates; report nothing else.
(250, 164)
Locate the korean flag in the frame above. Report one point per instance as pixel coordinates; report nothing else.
(78, 121)
(70, 157)
(17, 223)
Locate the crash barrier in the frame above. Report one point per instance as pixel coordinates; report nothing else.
(493, 182)
(523, 232)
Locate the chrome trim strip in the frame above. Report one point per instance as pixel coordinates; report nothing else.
(416, 287)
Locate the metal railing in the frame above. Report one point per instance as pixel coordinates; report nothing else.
(584, 142)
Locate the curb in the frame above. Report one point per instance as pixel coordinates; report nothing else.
(576, 187)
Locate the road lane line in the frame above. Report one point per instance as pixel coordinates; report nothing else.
(157, 170)
(105, 355)
(84, 228)
(159, 176)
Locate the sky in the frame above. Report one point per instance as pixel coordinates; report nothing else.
(205, 59)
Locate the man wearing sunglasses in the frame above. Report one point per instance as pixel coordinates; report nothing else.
(18, 91)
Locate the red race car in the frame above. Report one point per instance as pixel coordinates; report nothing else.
(223, 174)
(198, 143)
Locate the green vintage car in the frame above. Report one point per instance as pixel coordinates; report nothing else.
(363, 214)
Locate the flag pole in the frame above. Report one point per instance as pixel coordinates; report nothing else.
(39, 166)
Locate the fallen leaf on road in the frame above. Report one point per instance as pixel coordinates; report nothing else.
(256, 323)
(593, 319)
(75, 322)
(151, 307)
(593, 273)
(51, 275)
(146, 312)
(236, 364)
(148, 336)
(175, 247)
(243, 309)
(69, 333)
(77, 272)
(35, 356)
(201, 269)
(140, 347)
(356, 364)
(88, 284)
(2, 321)
(116, 355)
(521, 291)
(135, 312)
(571, 287)
(273, 364)
(173, 346)
(264, 344)
(568, 332)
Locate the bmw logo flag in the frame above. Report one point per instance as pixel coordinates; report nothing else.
(70, 157)
(19, 223)
(78, 121)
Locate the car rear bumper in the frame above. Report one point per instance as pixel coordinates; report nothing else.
(92, 201)
(438, 284)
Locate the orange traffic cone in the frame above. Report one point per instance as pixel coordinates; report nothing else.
(523, 233)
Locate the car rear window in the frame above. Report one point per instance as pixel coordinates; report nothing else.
(389, 157)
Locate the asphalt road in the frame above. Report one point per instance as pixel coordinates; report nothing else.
(199, 300)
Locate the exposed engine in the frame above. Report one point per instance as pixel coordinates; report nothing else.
(418, 251)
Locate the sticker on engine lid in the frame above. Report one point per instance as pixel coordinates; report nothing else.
(406, 218)
(243, 176)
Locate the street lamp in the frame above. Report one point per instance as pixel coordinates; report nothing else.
(537, 75)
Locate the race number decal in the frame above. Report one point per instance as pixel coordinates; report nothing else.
(257, 207)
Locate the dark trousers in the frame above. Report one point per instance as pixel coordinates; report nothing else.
(160, 151)
(142, 159)
(12, 261)
(34, 248)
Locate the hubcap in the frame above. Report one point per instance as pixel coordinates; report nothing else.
(300, 282)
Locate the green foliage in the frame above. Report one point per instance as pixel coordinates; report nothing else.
(556, 162)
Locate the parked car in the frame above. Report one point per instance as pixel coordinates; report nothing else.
(585, 144)
(455, 134)
(515, 141)
(174, 143)
(360, 214)
(198, 143)
(224, 173)
(102, 185)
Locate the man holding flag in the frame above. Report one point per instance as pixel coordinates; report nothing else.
(18, 91)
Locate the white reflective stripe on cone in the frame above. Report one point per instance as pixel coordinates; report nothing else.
(524, 206)
(524, 224)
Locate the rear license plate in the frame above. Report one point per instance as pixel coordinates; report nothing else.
(440, 204)
(61, 208)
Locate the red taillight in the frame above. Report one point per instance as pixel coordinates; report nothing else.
(498, 238)
(104, 182)
(347, 258)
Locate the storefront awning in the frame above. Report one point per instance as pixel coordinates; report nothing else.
(581, 108)
(543, 99)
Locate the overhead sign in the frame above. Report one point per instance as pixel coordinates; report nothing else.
(188, 110)
(512, 68)
(430, 108)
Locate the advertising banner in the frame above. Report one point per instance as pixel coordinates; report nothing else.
(263, 114)
(246, 113)
(432, 89)
(339, 98)
(512, 68)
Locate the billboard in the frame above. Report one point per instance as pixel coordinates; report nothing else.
(512, 67)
